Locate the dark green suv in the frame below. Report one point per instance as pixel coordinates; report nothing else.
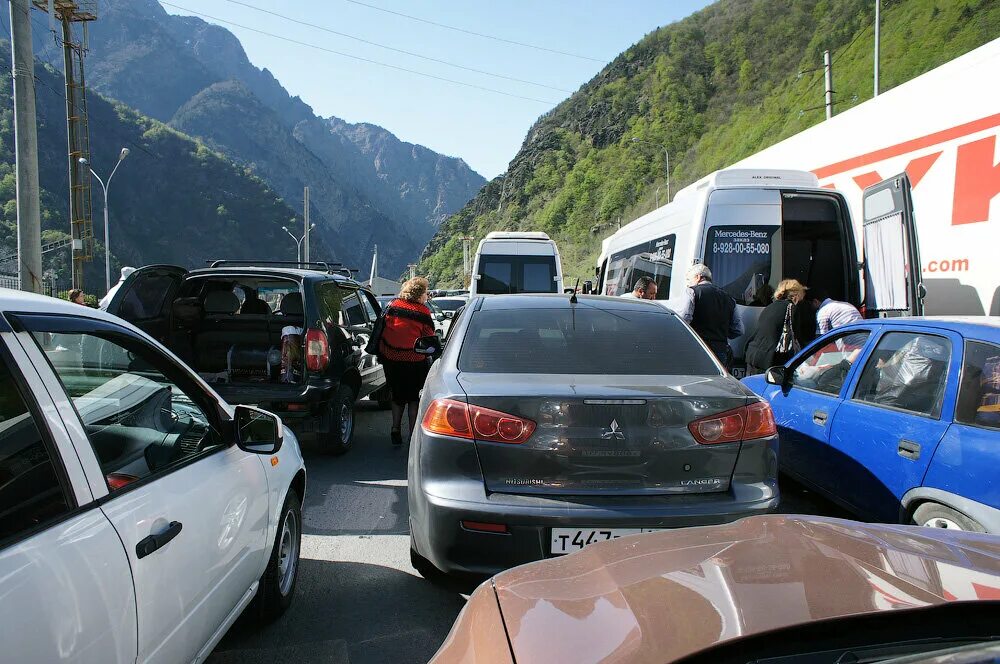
(288, 339)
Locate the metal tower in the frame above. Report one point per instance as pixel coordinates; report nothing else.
(69, 12)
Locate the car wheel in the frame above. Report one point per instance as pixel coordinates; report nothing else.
(277, 585)
(933, 515)
(423, 566)
(341, 420)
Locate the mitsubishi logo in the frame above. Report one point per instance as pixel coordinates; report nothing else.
(613, 432)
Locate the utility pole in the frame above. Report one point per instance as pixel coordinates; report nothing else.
(413, 270)
(374, 271)
(877, 40)
(29, 219)
(305, 236)
(828, 76)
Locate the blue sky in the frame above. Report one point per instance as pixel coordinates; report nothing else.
(484, 128)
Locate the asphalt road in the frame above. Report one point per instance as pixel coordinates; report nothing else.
(358, 600)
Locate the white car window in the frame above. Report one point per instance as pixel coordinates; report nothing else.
(139, 421)
(31, 493)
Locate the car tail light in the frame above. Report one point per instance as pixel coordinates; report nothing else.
(118, 480)
(317, 350)
(484, 527)
(732, 426)
(454, 418)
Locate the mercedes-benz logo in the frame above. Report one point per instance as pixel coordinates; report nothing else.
(613, 432)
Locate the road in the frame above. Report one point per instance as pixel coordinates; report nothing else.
(358, 600)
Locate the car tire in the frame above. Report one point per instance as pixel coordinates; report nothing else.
(277, 585)
(340, 415)
(424, 567)
(934, 515)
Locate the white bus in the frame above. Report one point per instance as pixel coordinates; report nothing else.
(754, 228)
(516, 262)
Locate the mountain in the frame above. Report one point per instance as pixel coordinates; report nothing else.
(366, 186)
(173, 200)
(710, 89)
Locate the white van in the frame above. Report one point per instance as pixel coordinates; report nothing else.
(754, 228)
(516, 262)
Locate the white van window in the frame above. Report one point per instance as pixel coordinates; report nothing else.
(741, 258)
(503, 274)
(652, 259)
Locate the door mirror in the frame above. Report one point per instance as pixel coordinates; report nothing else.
(449, 315)
(588, 287)
(428, 346)
(257, 430)
(775, 376)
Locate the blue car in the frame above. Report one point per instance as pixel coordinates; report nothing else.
(896, 419)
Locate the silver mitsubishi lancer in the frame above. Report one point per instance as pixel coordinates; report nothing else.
(553, 422)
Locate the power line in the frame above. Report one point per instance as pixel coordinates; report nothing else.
(357, 57)
(397, 50)
(477, 34)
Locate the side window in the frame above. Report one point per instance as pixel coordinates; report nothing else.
(138, 420)
(30, 490)
(826, 368)
(653, 259)
(354, 313)
(908, 371)
(979, 394)
(144, 300)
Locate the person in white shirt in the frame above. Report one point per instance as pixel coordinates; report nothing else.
(830, 313)
(645, 289)
(106, 300)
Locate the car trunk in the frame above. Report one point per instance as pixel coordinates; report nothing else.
(608, 435)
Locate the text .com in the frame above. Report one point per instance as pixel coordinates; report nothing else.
(948, 265)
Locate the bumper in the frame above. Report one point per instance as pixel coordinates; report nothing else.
(439, 536)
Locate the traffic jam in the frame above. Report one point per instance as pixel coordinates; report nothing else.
(604, 457)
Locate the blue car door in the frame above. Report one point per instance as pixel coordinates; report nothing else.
(805, 406)
(885, 432)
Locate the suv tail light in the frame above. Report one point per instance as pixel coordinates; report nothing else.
(732, 426)
(317, 350)
(448, 417)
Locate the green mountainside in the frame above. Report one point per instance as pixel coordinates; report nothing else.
(711, 89)
(173, 200)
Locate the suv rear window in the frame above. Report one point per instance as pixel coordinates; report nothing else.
(582, 341)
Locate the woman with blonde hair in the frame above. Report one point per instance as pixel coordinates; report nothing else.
(780, 330)
(407, 318)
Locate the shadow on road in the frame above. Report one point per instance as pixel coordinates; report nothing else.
(349, 612)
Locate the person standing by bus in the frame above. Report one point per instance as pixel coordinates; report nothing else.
(711, 312)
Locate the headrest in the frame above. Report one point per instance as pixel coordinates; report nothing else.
(291, 304)
(221, 302)
(186, 309)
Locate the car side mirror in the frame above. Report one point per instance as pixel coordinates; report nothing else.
(428, 346)
(588, 287)
(775, 376)
(257, 430)
(449, 315)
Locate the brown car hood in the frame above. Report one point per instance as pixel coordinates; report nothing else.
(662, 596)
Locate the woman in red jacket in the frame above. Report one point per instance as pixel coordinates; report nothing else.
(407, 318)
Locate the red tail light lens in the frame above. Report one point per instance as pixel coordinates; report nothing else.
(317, 350)
(454, 418)
(732, 426)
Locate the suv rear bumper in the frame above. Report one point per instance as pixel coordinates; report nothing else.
(438, 535)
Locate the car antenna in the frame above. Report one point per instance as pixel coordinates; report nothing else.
(572, 298)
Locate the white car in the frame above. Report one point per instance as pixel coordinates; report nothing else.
(140, 514)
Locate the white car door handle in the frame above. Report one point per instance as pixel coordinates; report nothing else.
(148, 545)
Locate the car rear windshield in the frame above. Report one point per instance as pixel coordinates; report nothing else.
(582, 340)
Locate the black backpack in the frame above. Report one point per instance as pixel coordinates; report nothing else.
(375, 340)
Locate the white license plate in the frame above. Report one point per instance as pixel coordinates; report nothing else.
(568, 540)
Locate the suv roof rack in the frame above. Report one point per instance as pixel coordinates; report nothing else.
(332, 268)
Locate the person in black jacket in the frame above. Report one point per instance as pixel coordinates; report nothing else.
(711, 313)
(761, 351)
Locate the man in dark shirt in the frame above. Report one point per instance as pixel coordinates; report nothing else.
(711, 312)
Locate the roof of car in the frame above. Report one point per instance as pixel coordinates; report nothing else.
(984, 327)
(298, 273)
(22, 301)
(562, 301)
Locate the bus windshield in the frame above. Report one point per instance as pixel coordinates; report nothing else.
(745, 261)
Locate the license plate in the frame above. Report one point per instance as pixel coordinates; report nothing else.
(568, 540)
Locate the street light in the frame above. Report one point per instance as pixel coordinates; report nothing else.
(298, 241)
(107, 239)
(666, 154)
